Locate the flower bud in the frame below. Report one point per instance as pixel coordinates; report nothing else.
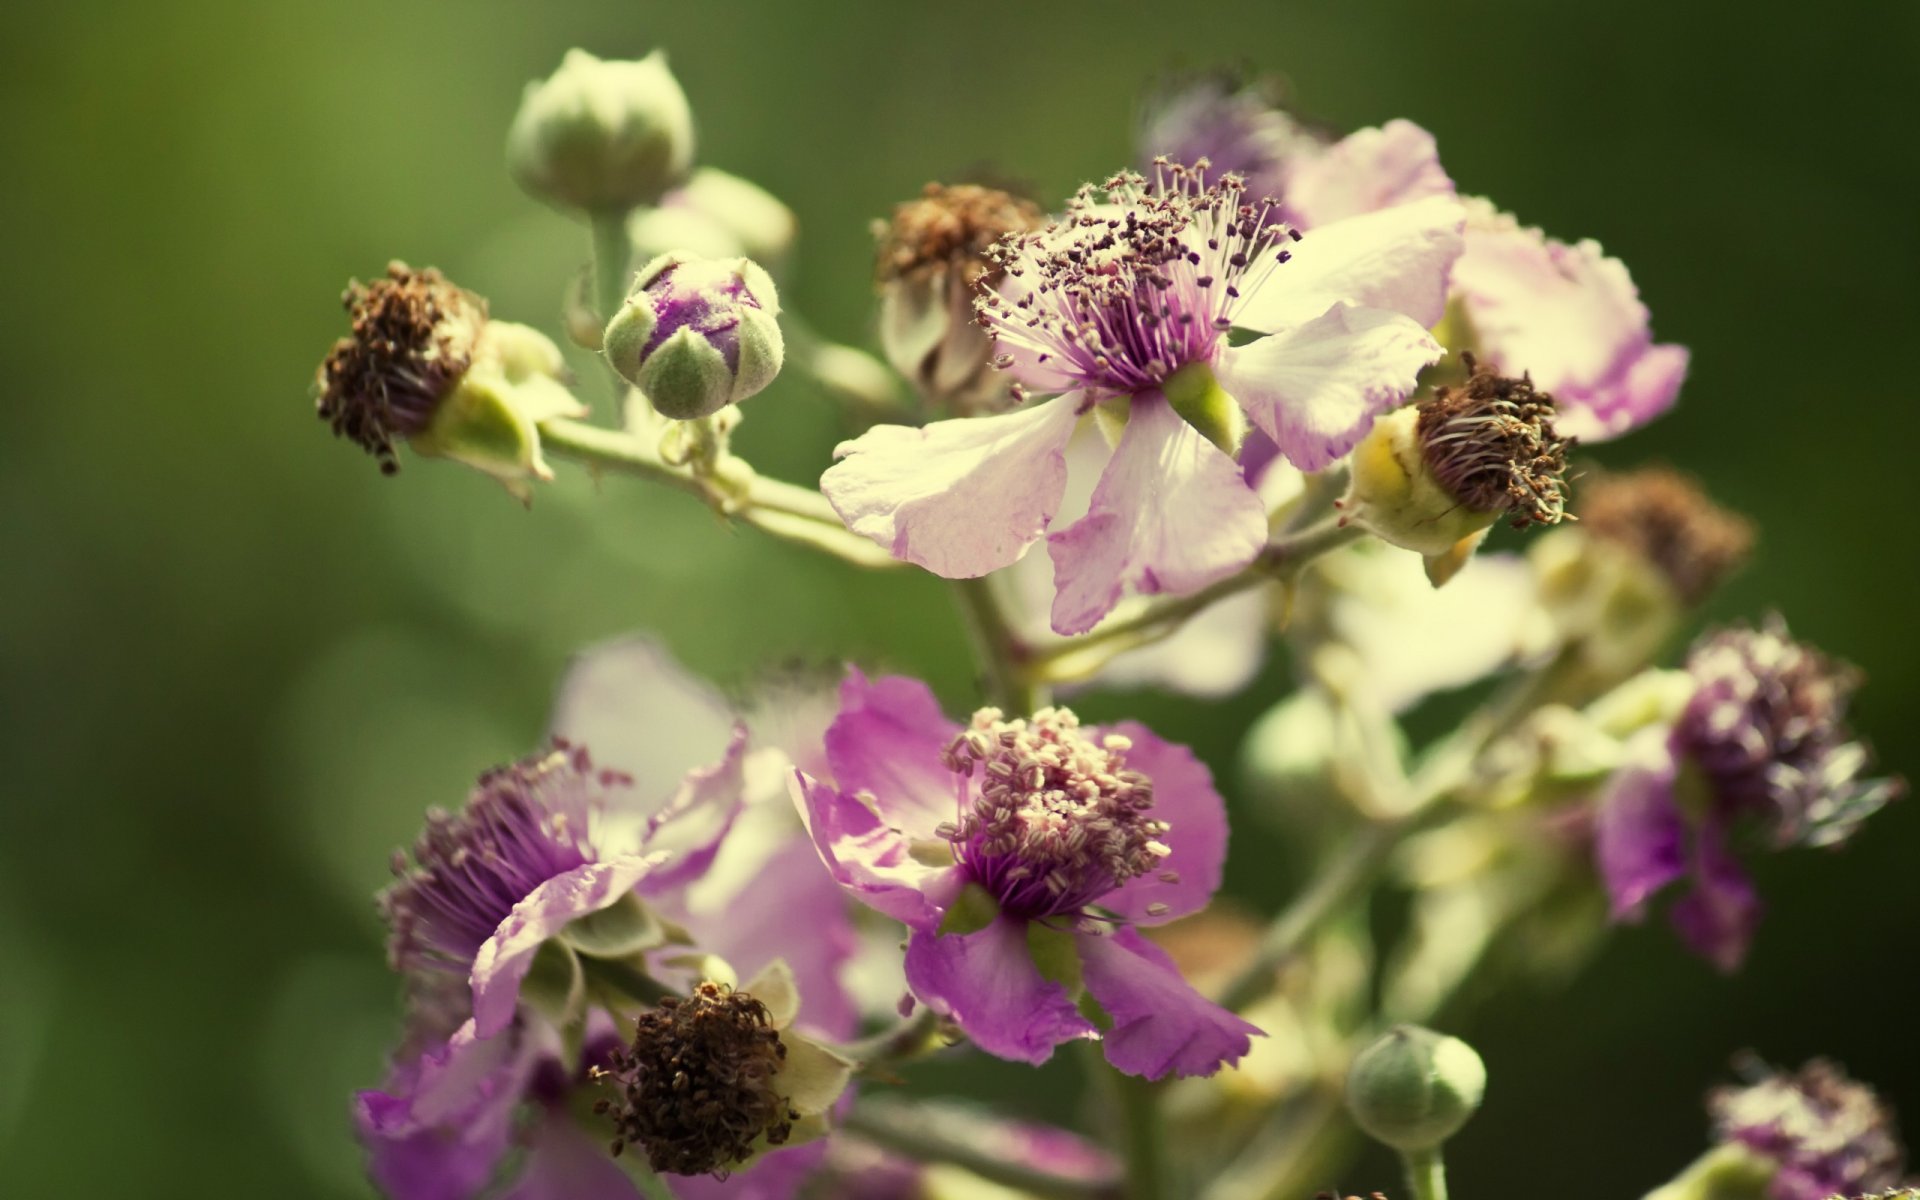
(602, 135)
(426, 366)
(1414, 1088)
(697, 334)
(932, 261)
(1433, 476)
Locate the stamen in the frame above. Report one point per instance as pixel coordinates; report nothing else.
(1057, 820)
(695, 1087)
(1492, 446)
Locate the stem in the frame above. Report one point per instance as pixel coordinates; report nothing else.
(997, 649)
(1329, 895)
(917, 1136)
(1143, 1138)
(1426, 1174)
(907, 1039)
(1281, 560)
(612, 262)
(625, 979)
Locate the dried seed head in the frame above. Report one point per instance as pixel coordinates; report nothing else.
(1664, 518)
(695, 1088)
(950, 228)
(1490, 443)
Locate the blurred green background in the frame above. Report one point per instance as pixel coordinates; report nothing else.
(238, 663)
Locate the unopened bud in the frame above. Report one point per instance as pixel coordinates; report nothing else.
(602, 135)
(1414, 1088)
(716, 215)
(697, 334)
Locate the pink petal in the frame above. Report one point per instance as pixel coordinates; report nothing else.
(1171, 514)
(563, 1163)
(887, 741)
(1316, 388)
(961, 497)
(695, 821)
(872, 860)
(503, 961)
(1640, 835)
(1364, 172)
(444, 1122)
(1184, 797)
(1570, 317)
(1395, 259)
(1718, 917)
(1161, 1025)
(776, 1175)
(987, 983)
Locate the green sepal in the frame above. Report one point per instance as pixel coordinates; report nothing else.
(971, 911)
(1056, 955)
(555, 985)
(1202, 403)
(624, 928)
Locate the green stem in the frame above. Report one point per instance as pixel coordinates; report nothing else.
(1282, 560)
(997, 649)
(612, 262)
(1426, 1173)
(917, 1136)
(902, 1042)
(1144, 1138)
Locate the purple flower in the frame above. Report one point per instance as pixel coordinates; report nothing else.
(1022, 854)
(1829, 1135)
(1567, 316)
(1762, 739)
(1126, 302)
(540, 846)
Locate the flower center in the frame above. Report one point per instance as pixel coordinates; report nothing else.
(523, 825)
(1491, 445)
(1137, 280)
(1057, 820)
(413, 335)
(695, 1088)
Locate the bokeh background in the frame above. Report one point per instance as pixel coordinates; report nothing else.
(238, 663)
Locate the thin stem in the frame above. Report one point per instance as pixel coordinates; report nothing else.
(1144, 1138)
(612, 262)
(901, 1042)
(917, 1136)
(1282, 560)
(1426, 1174)
(997, 649)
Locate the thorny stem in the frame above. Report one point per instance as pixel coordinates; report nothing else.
(1281, 561)
(915, 1135)
(782, 509)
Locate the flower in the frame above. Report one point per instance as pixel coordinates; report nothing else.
(1567, 316)
(1022, 854)
(560, 870)
(933, 260)
(426, 366)
(1126, 302)
(1762, 737)
(697, 334)
(1827, 1134)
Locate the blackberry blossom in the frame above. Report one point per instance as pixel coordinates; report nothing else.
(1021, 853)
(1830, 1135)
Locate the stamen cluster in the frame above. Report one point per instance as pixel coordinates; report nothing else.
(1830, 1135)
(1664, 518)
(1491, 445)
(522, 825)
(695, 1087)
(1057, 820)
(950, 227)
(1138, 279)
(413, 335)
(1768, 726)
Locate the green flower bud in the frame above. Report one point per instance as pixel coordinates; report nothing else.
(1414, 1088)
(697, 334)
(602, 135)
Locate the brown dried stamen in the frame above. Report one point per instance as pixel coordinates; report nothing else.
(412, 339)
(1663, 517)
(696, 1084)
(1491, 445)
(950, 227)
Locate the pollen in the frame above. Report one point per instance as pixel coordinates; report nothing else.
(1491, 445)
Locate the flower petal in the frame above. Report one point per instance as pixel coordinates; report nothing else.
(1718, 917)
(563, 1163)
(960, 497)
(445, 1119)
(888, 741)
(1395, 259)
(775, 1175)
(504, 959)
(988, 984)
(1570, 317)
(1640, 835)
(1366, 171)
(1184, 797)
(872, 860)
(695, 822)
(1161, 1025)
(1316, 388)
(1171, 514)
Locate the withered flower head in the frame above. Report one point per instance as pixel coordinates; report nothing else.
(950, 227)
(1490, 443)
(1663, 517)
